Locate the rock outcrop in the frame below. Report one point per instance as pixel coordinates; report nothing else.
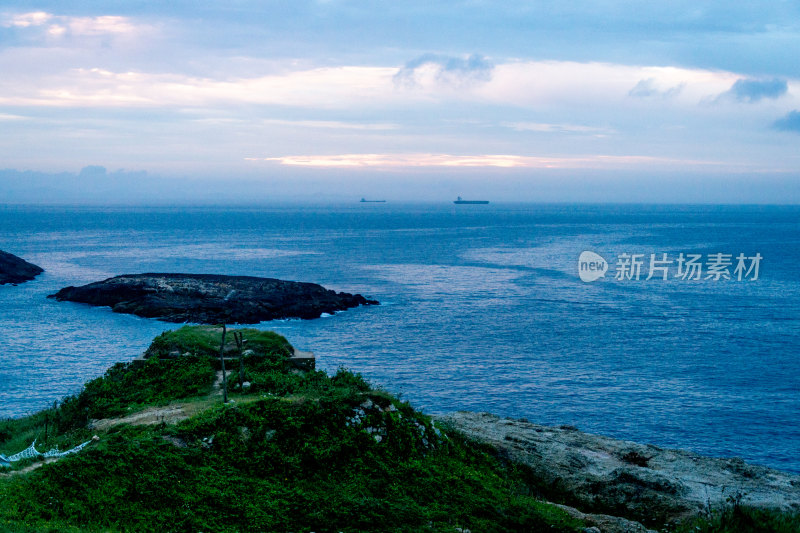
(640, 482)
(16, 270)
(211, 299)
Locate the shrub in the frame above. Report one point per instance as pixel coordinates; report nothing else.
(128, 385)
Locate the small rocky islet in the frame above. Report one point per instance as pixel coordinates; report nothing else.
(16, 270)
(212, 298)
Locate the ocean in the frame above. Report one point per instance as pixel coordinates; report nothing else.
(482, 308)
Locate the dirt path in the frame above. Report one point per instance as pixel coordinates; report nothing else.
(170, 414)
(29, 468)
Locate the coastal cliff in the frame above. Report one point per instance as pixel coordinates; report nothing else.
(153, 445)
(639, 482)
(291, 450)
(209, 298)
(15, 270)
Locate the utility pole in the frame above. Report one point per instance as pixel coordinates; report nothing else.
(222, 360)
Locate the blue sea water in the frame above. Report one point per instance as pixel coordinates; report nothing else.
(482, 309)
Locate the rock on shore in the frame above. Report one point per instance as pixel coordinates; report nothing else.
(211, 299)
(16, 270)
(640, 482)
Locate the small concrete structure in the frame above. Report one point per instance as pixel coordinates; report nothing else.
(302, 360)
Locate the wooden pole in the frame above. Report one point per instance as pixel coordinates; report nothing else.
(222, 360)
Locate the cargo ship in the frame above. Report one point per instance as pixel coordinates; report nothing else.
(365, 201)
(460, 200)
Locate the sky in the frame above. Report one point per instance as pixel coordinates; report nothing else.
(104, 101)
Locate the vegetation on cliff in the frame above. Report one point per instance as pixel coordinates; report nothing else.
(294, 451)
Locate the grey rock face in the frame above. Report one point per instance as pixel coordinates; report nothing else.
(211, 299)
(640, 482)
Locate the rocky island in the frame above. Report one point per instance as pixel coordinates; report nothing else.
(210, 298)
(16, 270)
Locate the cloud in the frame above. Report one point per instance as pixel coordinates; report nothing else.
(387, 161)
(7, 116)
(24, 20)
(791, 122)
(445, 70)
(333, 124)
(648, 88)
(530, 84)
(333, 87)
(543, 127)
(56, 26)
(396, 160)
(537, 84)
(753, 90)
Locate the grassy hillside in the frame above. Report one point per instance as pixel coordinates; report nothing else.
(296, 451)
(293, 451)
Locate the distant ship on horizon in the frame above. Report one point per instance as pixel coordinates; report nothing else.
(460, 200)
(365, 201)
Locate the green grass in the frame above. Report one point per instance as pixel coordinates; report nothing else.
(204, 340)
(295, 452)
(129, 386)
(162, 378)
